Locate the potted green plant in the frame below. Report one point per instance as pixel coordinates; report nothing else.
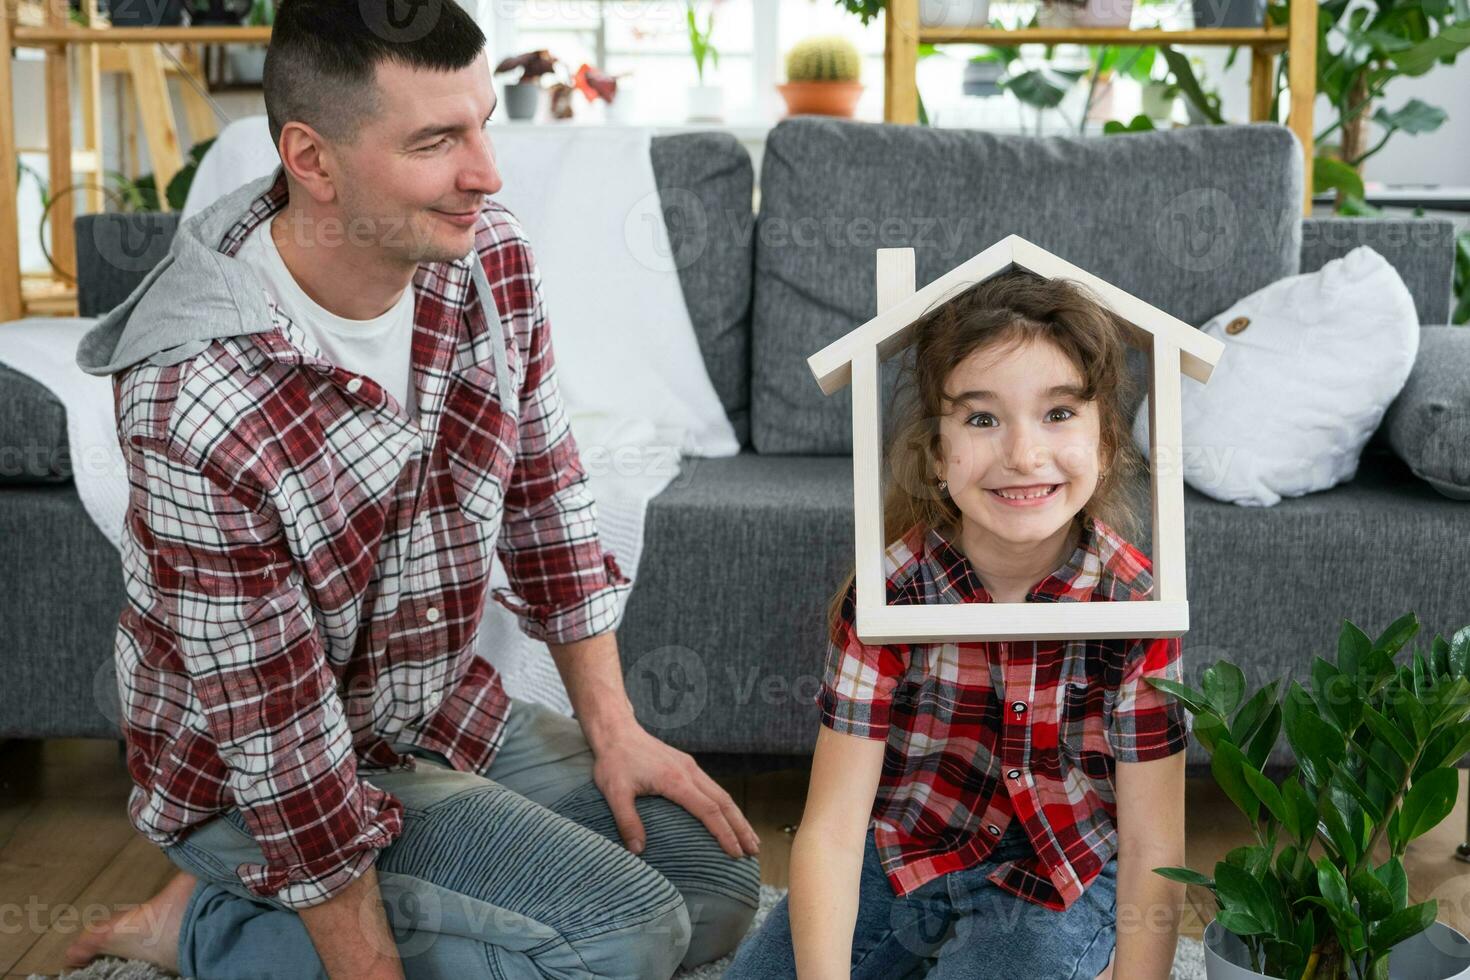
(706, 100)
(1321, 893)
(522, 97)
(822, 77)
(247, 61)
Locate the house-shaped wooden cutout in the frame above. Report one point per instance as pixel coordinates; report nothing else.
(1174, 348)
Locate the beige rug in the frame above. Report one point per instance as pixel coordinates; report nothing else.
(1189, 961)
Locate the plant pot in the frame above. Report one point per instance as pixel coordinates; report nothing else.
(247, 63)
(146, 13)
(954, 13)
(821, 98)
(1158, 102)
(983, 78)
(706, 104)
(522, 100)
(1438, 953)
(1092, 13)
(1229, 13)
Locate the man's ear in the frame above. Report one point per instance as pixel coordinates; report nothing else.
(309, 161)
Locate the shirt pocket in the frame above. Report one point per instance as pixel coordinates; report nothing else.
(480, 443)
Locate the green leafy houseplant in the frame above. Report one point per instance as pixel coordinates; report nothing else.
(1362, 46)
(1322, 893)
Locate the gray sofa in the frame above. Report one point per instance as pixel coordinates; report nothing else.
(723, 636)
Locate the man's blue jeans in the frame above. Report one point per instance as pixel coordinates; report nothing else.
(516, 873)
(957, 926)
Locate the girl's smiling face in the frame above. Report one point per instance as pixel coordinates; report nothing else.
(1016, 422)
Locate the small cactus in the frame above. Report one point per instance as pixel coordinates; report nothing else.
(823, 59)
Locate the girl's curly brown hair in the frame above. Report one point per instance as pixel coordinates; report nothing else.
(1005, 312)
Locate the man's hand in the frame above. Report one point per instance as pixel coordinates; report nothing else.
(631, 763)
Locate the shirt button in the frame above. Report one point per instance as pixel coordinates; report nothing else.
(432, 614)
(994, 830)
(1018, 706)
(354, 385)
(434, 699)
(1014, 774)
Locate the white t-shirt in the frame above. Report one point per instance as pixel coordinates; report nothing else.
(381, 348)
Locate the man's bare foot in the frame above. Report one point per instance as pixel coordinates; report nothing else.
(145, 932)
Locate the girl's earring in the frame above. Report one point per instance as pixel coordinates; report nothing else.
(943, 486)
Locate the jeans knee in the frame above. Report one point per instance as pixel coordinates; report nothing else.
(721, 919)
(717, 924)
(655, 947)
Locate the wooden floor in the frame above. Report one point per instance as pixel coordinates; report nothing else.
(68, 855)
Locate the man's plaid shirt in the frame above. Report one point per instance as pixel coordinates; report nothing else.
(980, 734)
(306, 567)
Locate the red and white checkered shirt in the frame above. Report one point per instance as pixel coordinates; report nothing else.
(306, 567)
(980, 734)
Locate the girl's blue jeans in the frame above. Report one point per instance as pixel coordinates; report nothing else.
(515, 873)
(956, 926)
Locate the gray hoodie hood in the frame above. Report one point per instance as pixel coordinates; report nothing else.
(194, 295)
(197, 293)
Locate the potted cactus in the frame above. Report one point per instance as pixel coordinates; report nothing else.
(822, 77)
(1321, 893)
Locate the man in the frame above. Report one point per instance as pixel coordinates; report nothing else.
(337, 401)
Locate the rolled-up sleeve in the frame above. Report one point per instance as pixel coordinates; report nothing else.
(563, 585)
(234, 602)
(1148, 723)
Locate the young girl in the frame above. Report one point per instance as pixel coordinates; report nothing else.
(995, 809)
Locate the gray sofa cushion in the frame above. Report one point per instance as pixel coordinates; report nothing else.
(1421, 250)
(1428, 424)
(1189, 220)
(705, 187)
(33, 446)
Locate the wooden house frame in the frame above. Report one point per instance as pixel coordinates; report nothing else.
(1174, 347)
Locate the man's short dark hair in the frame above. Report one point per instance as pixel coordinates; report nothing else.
(323, 54)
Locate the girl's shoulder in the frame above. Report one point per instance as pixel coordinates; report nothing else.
(1125, 573)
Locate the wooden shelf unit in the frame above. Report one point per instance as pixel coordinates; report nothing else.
(903, 35)
(134, 51)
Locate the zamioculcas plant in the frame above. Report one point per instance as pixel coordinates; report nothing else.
(1322, 893)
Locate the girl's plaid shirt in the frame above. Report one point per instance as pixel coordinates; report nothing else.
(980, 734)
(306, 567)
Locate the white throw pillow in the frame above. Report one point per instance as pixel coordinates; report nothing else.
(1301, 386)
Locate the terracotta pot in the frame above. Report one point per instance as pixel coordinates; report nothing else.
(821, 98)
